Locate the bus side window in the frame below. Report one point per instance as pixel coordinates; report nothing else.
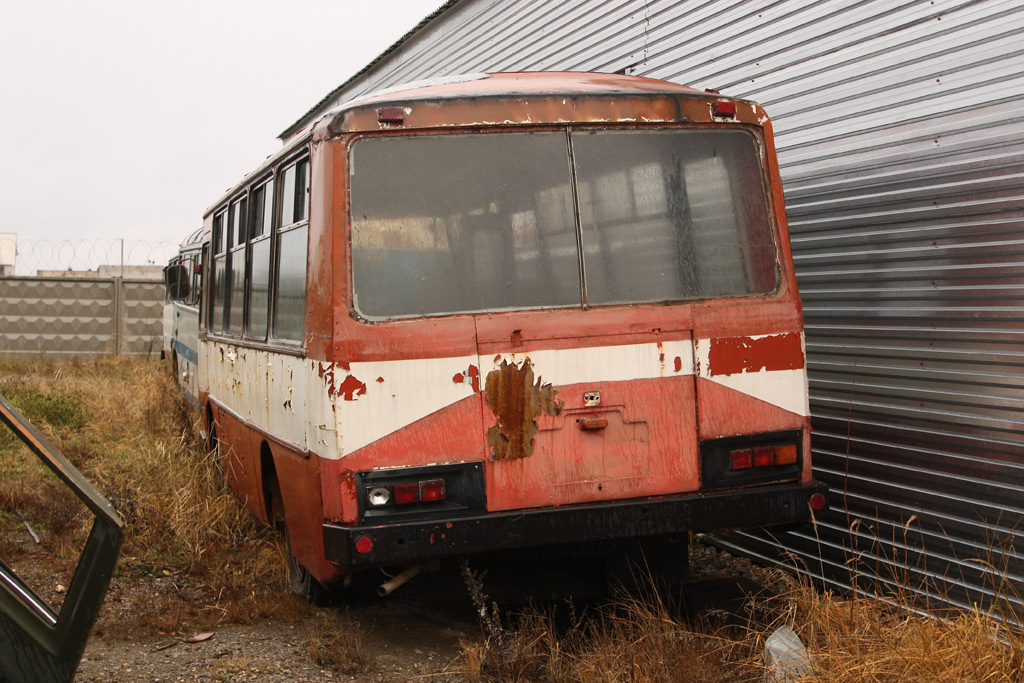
(219, 290)
(196, 278)
(258, 285)
(203, 290)
(235, 284)
(290, 273)
(171, 285)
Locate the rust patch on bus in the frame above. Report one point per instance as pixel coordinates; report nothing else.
(517, 401)
(351, 388)
(733, 355)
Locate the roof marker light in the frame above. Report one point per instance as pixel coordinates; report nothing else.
(724, 110)
(391, 115)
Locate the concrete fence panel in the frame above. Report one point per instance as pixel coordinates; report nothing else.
(80, 317)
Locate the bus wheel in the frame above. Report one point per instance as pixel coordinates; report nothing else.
(213, 447)
(300, 581)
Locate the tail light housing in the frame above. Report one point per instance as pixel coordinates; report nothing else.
(751, 459)
(763, 456)
(421, 492)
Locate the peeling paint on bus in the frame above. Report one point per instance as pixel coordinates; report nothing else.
(517, 401)
(351, 388)
(471, 375)
(733, 355)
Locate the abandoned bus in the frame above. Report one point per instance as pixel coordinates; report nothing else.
(508, 311)
(181, 314)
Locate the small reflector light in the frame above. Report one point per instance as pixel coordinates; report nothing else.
(432, 490)
(817, 501)
(724, 109)
(764, 457)
(406, 493)
(390, 115)
(364, 544)
(785, 455)
(741, 460)
(379, 495)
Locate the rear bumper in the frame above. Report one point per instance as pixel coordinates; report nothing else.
(414, 541)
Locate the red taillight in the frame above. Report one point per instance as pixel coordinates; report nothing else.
(406, 493)
(741, 460)
(432, 490)
(364, 544)
(724, 109)
(764, 457)
(817, 501)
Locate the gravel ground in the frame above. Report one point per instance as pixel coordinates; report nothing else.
(414, 635)
(268, 651)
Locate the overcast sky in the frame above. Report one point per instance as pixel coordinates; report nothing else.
(127, 118)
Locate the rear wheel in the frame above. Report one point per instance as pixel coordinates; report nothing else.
(300, 581)
(213, 447)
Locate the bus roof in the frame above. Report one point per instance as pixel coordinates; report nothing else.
(532, 98)
(523, 83)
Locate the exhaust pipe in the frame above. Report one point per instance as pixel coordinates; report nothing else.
(399, 580)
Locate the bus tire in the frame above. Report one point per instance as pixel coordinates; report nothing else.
(215, 451)
(300, 581)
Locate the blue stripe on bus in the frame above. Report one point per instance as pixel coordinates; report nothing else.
(186, 352)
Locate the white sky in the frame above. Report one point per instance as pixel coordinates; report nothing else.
(127, 118)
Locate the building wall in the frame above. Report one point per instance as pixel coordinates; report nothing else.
(80, 318)
(900, 130)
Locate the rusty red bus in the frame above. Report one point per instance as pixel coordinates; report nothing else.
(508, 311)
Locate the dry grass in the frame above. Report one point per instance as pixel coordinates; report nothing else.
(200, 555)
(848, 640)
(336, 642)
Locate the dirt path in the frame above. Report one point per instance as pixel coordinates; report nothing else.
(412, 635)
(268, 651)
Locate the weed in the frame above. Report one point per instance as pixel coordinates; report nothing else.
(336, 642)
(125, 426)
(848, 638)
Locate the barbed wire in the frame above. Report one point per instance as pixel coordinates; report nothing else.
(107, 255)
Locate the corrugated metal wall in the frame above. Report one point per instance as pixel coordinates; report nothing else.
(900, 129)
(80, 317)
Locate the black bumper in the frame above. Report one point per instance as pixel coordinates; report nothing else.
(413, 541)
